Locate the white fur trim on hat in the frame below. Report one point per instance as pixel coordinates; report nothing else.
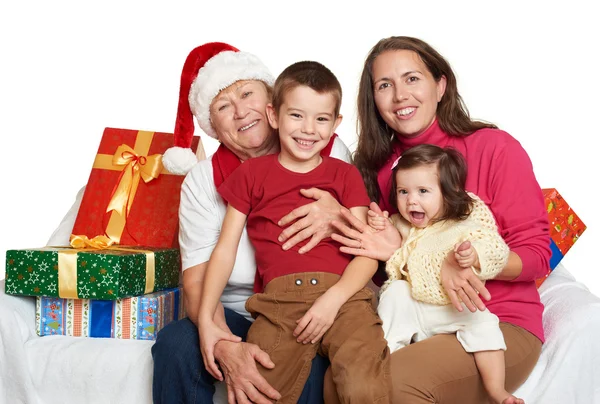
(179, 160)
(219, 72)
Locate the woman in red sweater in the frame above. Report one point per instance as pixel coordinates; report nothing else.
(408, 96)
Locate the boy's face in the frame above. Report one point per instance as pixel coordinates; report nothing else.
(418, 194)
(306, 122)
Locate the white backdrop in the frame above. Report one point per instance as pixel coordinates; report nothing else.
(67, 70)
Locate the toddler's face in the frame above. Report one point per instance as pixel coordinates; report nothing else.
(418, 195)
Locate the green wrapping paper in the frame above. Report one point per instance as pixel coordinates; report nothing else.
(106, 274)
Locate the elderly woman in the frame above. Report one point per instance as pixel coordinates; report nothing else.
(227, 91)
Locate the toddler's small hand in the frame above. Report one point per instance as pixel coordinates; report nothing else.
(466, 255)
(376, 221)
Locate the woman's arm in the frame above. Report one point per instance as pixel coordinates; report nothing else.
(518, 206)
(513, 268)
(193, 278)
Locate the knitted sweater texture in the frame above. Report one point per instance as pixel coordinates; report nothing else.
(420, 258)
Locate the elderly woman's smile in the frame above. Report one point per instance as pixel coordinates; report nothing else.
(239, 119)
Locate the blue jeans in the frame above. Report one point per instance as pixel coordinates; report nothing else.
(179, 373)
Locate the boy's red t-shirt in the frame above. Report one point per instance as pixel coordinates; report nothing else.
(266, 191)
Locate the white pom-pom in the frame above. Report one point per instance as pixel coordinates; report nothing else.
(179, 160)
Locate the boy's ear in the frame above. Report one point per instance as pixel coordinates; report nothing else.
(337, 122)
(272, 116)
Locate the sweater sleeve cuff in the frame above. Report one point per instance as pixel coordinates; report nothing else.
(532, 265)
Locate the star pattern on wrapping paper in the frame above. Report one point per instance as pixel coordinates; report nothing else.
(52, 287)
(43, 267)
(108, 279)
(28, 254)
(34, 277)
(84, 292)
(11, 289)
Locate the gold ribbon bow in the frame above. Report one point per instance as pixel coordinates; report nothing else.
(67, 263)
(134, 163)
(98, 242)
(136, 167)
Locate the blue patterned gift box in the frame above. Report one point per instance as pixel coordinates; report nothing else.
(138, 317)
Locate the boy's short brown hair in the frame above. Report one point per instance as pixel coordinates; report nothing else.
(311, 74)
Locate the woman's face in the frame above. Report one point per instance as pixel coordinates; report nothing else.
(405, 92)
(238, 115)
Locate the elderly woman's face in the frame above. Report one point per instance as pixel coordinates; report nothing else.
(238, 115)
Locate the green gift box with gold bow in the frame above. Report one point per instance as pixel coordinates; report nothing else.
(107, 273)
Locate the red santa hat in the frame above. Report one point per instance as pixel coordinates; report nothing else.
(208, 69)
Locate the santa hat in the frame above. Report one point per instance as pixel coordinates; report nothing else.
(208, 69)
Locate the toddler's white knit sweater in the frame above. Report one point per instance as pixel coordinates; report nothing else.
(420, 258)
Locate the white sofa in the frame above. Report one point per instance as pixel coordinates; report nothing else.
(71, 370)
(75, 370)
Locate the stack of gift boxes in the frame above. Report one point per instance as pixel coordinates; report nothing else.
(120, 277)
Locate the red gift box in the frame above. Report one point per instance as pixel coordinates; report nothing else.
(130, 196)
(565, 227)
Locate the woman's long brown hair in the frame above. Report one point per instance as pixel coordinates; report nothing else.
(375, 137)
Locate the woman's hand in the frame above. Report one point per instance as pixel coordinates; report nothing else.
(461, 284)
(312, 220)
(244, 382)
(361, 240)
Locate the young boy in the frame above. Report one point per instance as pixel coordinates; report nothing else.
(305, 303)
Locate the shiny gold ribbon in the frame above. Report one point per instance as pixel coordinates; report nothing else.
(135, 164)
(67, 263)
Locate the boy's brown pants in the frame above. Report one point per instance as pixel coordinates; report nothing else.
(354, 344)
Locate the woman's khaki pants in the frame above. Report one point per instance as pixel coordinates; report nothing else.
(439, 370)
